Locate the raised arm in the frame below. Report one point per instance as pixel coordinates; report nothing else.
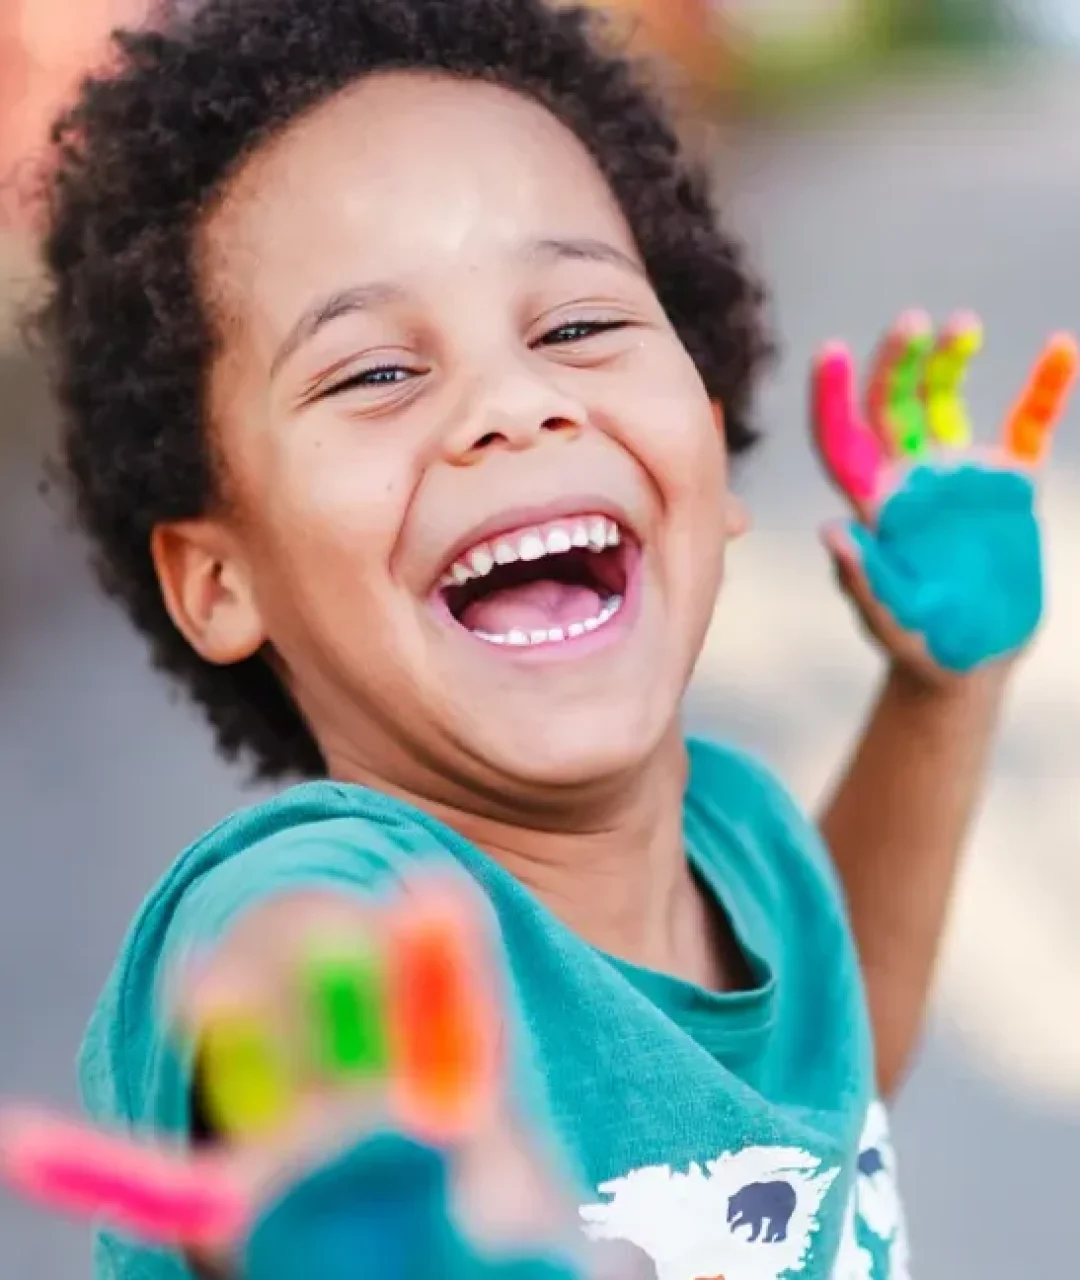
(943, 563)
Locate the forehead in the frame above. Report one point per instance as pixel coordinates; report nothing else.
(404, 174)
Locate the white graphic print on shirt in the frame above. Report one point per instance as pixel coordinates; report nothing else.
(748, 1215)
(753, 1214)
(875, 1211)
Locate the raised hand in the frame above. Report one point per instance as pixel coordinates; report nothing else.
(351, 1059)
(943, 559)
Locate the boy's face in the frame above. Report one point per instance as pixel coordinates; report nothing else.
(438, 352)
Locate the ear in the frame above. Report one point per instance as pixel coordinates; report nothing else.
(736, 514)
(718, 415)
(207, 590)
(737, 519)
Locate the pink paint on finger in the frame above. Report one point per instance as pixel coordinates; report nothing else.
(156, 1196)
(852, 453)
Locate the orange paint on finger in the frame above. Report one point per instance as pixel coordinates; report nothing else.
(443, 1022)
(1044, 400)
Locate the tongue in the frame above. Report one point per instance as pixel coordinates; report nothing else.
(532, 606)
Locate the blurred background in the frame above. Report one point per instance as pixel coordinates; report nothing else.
(876, 154)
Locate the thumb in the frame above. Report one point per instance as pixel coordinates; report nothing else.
(876, 589)
(844, 556)
(152, 1193)
(847, 558)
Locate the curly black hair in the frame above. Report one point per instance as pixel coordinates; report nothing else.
(139, 160)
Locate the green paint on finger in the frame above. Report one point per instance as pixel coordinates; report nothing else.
(905, 411)
(347, 988)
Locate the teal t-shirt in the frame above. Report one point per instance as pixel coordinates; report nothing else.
(734, 1136)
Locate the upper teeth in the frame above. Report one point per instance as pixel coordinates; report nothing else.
(594, 532)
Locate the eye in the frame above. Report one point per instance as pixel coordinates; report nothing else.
(578, 331)
(375, 377)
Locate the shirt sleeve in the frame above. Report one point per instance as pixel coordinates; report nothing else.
(341, 855)
(134, 1072)
(746, 794)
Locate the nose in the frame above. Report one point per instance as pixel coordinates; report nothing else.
(512, 411)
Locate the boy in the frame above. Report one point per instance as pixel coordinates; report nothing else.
(402, 361)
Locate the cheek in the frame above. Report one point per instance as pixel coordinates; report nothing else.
(682, 449)
(333, 508)
(675, 431)
(680, 444)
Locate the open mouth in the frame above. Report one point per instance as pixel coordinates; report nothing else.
(544, 585)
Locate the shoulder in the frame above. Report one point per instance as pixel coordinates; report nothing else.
(746, 814)
(319, 835)
(725, 777)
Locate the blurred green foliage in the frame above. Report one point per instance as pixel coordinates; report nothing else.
(788, 64)
(958, 24)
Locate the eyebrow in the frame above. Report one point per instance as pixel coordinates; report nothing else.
(344, 303)
(582, 250)
(380, 293)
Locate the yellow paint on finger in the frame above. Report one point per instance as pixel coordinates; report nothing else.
(946, 369)
(245, 1081)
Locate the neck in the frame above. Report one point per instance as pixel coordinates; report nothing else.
(612, 867)
(617, 876)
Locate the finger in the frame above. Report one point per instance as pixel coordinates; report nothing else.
(443, 1014)
(898, 637)
(853, 582)
(874, 584)
(155, 1196)
(945, 373)
(346, 985)
(620, 1260)
(840, 541)
(896, 411)
(1043, 401)
(507, 1192)
(852, 456)
(259, 1010)
(246, 1081)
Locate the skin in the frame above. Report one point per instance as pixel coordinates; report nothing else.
(343, 509)
(897, 827)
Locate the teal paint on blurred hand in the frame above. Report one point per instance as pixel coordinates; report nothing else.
(379, 1210)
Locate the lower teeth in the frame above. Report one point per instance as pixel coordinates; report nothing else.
(555, 635)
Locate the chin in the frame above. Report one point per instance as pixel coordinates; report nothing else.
(578, 753)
